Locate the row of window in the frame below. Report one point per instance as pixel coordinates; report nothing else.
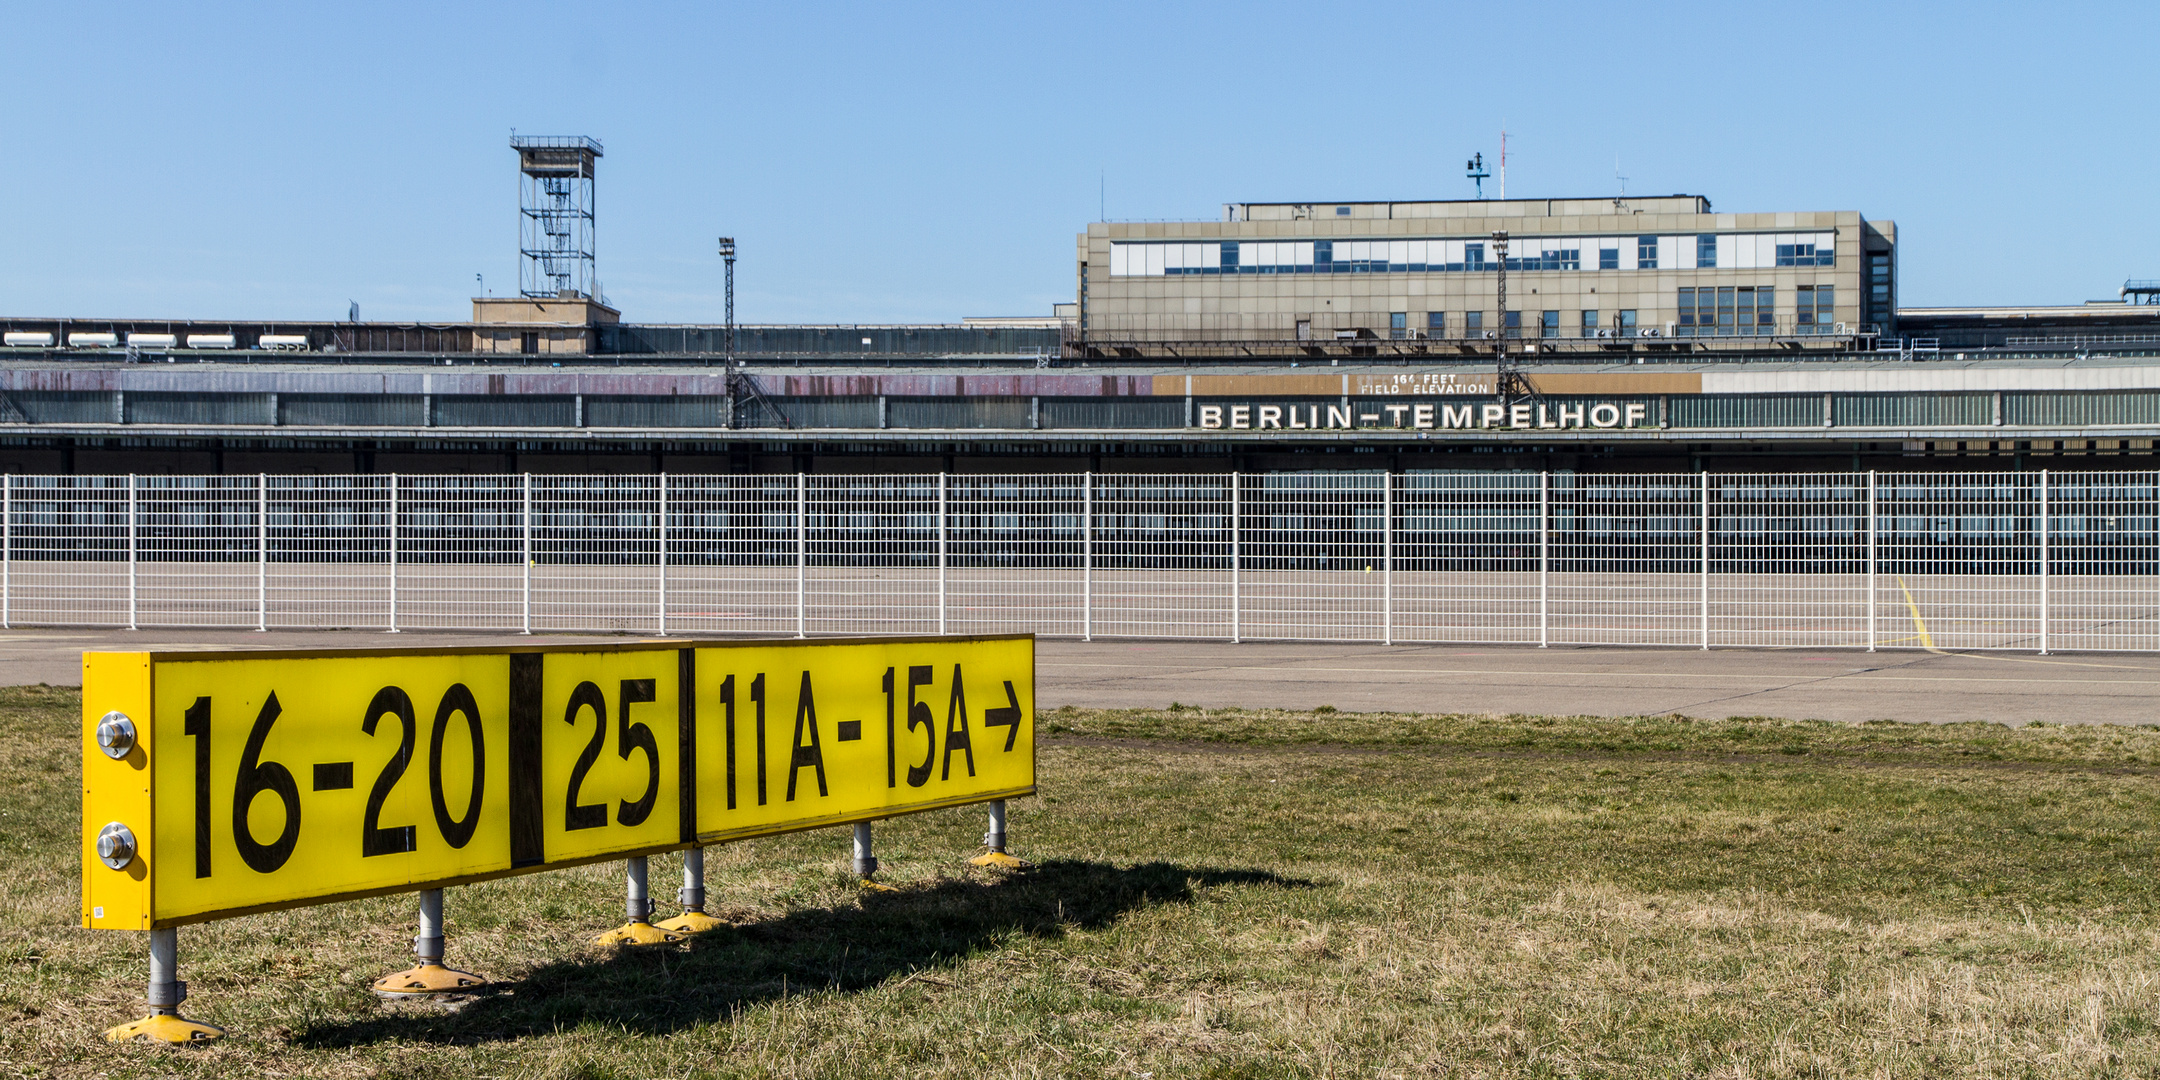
(1744, 251)
(1739, 310)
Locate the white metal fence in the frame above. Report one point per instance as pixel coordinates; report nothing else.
(2033, 561)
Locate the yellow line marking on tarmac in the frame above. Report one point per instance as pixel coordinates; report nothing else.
(1927, 642)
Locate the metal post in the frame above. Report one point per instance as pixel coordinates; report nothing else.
(663, 554)
(428, 944)
(262, 552)
(865, 857)
(1871, 560)
(802, 554)
(1087, 556)
(994, 839)
(1544, 559)
(1387, 557)
(525, 561)
(637, 900)
(941, 553)
(166, 989)
(131, 549)
(2046, 527)
(7, 549)
(1237, 531)
(691, 896)
(393, 552)
(1705, 560)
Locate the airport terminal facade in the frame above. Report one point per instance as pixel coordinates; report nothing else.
(1653, 335)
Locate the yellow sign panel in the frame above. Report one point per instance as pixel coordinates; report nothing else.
(264, 780)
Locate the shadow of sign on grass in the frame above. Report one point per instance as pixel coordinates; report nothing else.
(888, 936)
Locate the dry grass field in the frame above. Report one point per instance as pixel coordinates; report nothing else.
(1246, 893)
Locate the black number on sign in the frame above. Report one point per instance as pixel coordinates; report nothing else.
(727, 699)
(891, 776)
(637, 737)
(918, 715)
(457, 832)
(197, 724)
(257, 776)
(396, 839)
(577, 815)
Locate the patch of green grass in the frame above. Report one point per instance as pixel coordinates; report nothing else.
(1230, 893)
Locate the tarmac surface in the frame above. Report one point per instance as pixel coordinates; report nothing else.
(1824, 684)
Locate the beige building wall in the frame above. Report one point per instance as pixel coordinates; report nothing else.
(1270, 306)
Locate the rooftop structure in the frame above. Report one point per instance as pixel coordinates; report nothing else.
(555, 215)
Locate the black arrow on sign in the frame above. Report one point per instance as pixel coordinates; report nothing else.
(1008, 717)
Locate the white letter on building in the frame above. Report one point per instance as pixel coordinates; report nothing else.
(1421, 416)
(1492, 415)
(1454, 416)
(1241, 416)
(1604, 414)
(1338, 416)
(1211, 416)
(1571, 414)
(1518, 416)
(1271, 416)
(1636, 413)
(1395, 414)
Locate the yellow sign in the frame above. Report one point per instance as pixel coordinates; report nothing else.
(251, 781)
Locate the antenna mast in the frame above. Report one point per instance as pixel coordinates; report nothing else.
(1503, 167)
(1475, 170)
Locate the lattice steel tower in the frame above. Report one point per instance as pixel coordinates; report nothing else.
(555, 214)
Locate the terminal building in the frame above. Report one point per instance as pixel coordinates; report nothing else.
(1648, 334)
(1614, 275)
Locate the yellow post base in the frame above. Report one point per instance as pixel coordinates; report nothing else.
(877, 886)
(690, 922)
(426, 979)
(999, 860)
(638, 933)
(167, 1028)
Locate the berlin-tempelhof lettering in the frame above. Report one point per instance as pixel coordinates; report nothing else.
(1422, 417)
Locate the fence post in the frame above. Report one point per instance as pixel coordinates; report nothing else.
(393, 552)
(262, 552)
(941, 553)
(7, 550)
(1705, 560)
(1387, 557)
(2046, 527)
(663, 554)
(1871, 560)
(1544, 558)
(1237, 535)
(525, 558)
(131, 550)
(802, 554)
(1087, 556)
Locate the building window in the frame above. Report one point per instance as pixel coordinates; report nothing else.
(1549, 324)
(1815, 309)
(1229, 256)
(1706, 251)
(1608, 258)
(1589, 324)
(1511, 324)
(1765, 309)
(1436, 324)
(1473, 256)
(1398, 325)
(1725, 300)
(1699, 310)
(1646, 253)
(1342, 211)
(1806, 255)
(1473, 323)
(1624, 325)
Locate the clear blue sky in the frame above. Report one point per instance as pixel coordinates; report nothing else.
(884, 163)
